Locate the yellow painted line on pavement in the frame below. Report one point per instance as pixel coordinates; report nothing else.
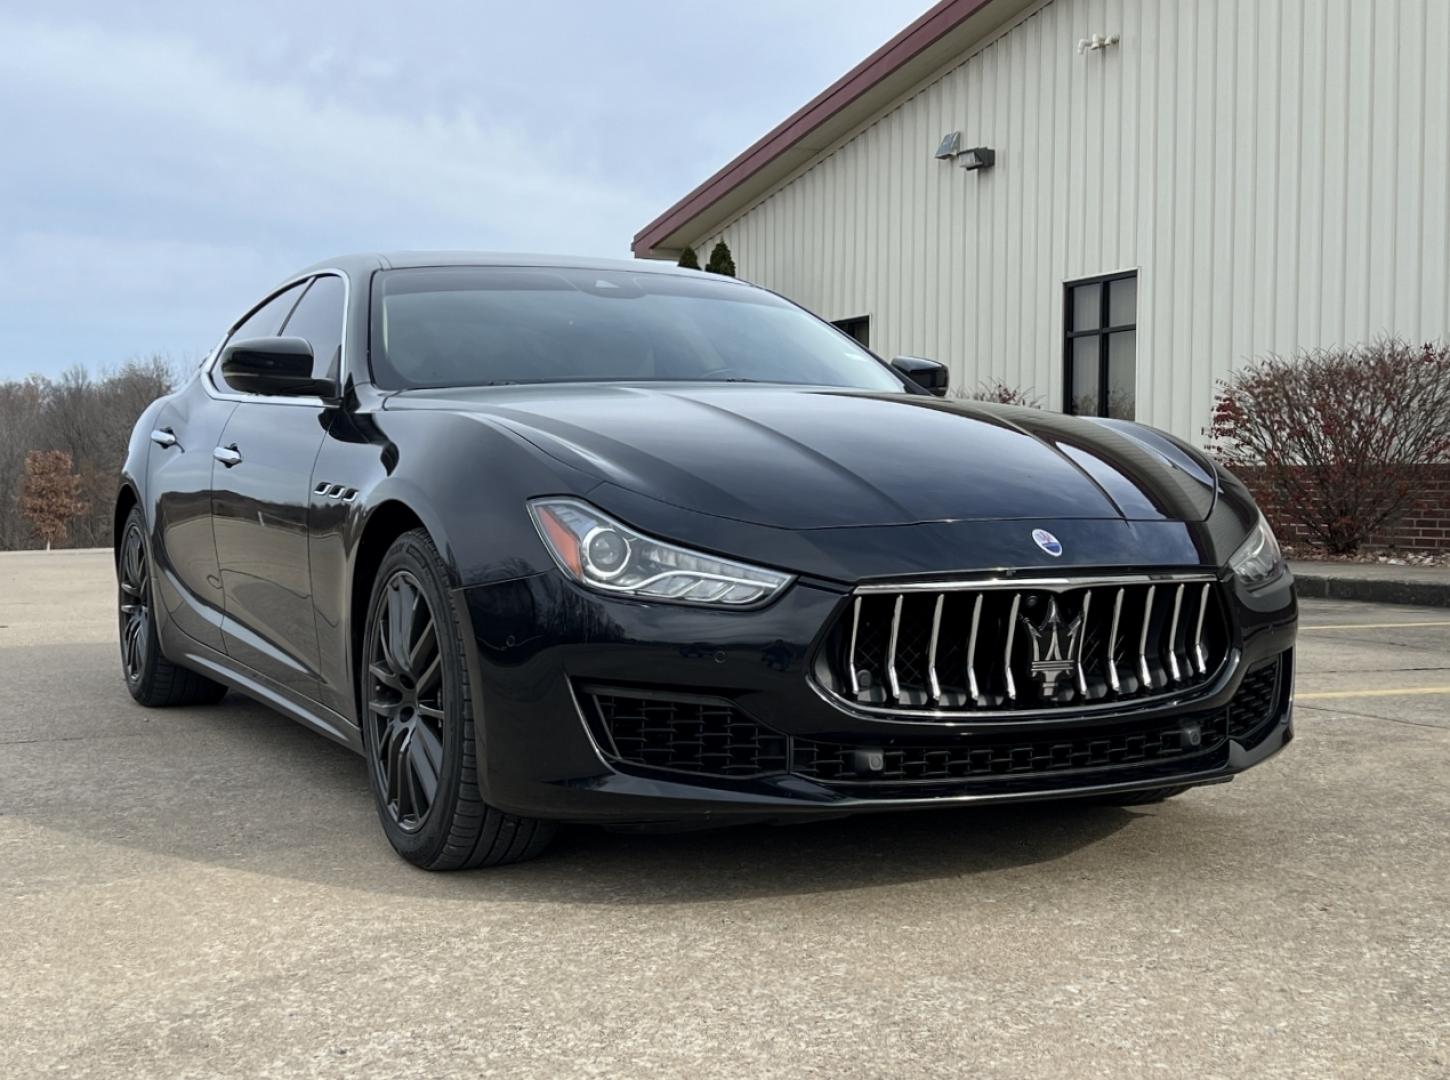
(1372, 625)
(1325, 695)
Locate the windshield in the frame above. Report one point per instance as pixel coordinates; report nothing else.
(481, 326)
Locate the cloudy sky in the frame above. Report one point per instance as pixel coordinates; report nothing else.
(163, 165)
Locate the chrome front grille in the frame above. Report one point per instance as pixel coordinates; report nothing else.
(1030, 645)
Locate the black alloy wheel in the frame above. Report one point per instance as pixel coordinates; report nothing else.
(418, 711)
(134, 575)
(152, 679)
(406, 700)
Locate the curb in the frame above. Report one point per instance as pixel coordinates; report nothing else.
(1373, 590)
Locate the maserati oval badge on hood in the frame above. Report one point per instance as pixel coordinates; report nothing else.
(1047, 542)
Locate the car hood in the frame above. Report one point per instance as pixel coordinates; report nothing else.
(812, 458)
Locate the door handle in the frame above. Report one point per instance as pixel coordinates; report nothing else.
(163, 437)
(228, 455)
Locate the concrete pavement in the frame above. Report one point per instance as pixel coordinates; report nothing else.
(205, 892)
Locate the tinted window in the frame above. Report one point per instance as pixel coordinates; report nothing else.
(859, 328)
(1102, 346)
(265, 321)
(473, 326)
(318, 318)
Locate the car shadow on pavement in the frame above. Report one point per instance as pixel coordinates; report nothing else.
(594, 866)
(237, 785)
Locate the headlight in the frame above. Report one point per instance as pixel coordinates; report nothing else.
(1258, 558)
(604, 554)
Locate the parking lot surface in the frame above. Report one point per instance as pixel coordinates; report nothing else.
(206, 892)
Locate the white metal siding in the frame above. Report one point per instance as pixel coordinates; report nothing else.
(1275, 169)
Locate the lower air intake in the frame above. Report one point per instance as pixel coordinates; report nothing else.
(701, 736)
(714, 737)
(1260, 698)
(1073, 751)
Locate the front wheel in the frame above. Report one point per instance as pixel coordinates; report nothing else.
(418, 724)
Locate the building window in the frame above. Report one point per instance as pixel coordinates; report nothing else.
(859, 328)
(1102, 346)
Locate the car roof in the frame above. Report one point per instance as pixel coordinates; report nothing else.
(363, 262)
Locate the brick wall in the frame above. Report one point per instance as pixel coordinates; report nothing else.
(1425, 527)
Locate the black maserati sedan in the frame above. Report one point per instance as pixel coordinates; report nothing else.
(562, 541)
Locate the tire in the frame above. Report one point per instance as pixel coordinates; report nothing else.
(417, 711)
(152, 679)
(1143, 798)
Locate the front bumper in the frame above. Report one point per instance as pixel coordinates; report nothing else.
(539, 644)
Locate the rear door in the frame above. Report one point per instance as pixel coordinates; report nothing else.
(179, 476)
(261, 492)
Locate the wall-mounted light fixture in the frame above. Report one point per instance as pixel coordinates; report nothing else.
(978, 157)
(951, 146)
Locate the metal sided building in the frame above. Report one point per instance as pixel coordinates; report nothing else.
(1109, 203)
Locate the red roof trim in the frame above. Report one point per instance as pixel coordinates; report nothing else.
(900, 50)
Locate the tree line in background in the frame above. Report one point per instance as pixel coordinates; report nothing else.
(62, 442)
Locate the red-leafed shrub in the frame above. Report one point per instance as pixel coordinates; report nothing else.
(1335, 436)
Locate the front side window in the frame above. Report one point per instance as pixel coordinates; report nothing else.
(482, 326)
(1102, 346)
(318, 318)
(265, 321)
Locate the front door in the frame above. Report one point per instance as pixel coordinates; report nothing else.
(260, 498)
(261, 494)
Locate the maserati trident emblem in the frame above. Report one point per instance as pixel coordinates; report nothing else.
(1047, 542)
(1054, 649)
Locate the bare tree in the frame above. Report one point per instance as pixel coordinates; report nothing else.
(20, 408)
(87, 417)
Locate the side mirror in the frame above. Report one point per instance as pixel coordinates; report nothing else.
(930, 375)
(276, 366)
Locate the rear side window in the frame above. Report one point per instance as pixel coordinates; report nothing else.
(318, 318)
(265, 321)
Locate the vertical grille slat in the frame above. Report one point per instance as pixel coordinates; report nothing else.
(1198, 634)
(1143, 638)
(1173, 634)
(891, 649)
(1087, 606)
(1113, 644)
(935, 684)
(1007, 653)
(851, 660)
(1012, 647)
(972, 688)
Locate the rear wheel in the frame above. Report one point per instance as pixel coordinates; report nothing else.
(152, 679)
(418, 724)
